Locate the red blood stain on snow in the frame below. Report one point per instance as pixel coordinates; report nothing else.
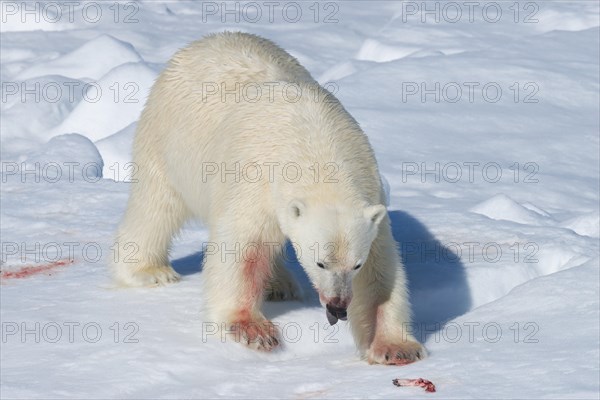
(30, 270)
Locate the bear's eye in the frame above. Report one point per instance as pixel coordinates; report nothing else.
(357, 266)
(321, 265)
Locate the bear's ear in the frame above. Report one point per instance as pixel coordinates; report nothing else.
(374, 214)
(296, 208)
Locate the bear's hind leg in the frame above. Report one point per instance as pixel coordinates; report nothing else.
(155, 213)
(282, 286)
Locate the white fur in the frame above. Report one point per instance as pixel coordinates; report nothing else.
(341, 223)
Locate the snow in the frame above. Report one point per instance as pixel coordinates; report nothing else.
(494, 198)
(116, 153)
(84, 62)
(502, 207)
(59, 154)
(120, 93)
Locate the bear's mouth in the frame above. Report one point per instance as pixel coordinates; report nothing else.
(334, 314)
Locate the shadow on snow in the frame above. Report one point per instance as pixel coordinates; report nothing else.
(437, 281)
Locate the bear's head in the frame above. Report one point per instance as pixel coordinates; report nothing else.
(332, 243)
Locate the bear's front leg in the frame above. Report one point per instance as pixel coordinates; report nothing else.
(392, 343)
(381, 327)
(380, 311)
(236, 276)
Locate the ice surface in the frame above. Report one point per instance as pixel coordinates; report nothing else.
(495, 203)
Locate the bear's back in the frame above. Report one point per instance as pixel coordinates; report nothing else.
(238, 58)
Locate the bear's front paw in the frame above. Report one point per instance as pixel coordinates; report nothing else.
(400, 353)
(148, 276)
(259, 335)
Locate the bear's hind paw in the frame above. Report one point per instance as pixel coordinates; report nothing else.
(148, 276)
(282, 286)
(282, 291)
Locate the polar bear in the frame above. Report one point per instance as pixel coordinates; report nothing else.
(237, 133)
